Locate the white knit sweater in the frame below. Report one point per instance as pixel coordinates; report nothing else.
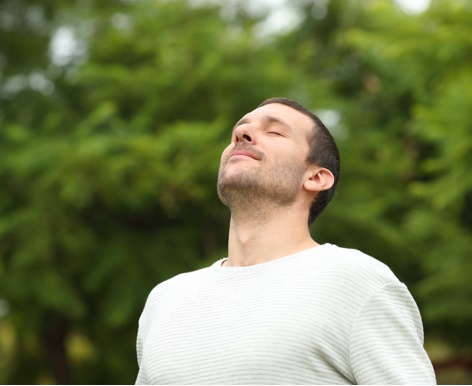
(327, 315)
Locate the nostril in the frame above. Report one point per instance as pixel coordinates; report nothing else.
(247, 137)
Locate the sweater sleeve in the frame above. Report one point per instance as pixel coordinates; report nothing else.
(386, 345)
(141, 378)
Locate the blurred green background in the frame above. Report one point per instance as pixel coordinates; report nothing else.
(113, 116)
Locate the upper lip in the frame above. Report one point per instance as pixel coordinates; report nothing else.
(243, 152)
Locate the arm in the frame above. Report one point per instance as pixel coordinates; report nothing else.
(141, 379)
(386, 344)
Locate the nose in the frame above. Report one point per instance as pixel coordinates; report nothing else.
(243, 133)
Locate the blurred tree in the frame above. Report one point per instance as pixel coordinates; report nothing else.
(112, 128)
(113, 116)
(424, 77)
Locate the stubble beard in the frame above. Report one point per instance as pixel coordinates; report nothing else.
(255, 192)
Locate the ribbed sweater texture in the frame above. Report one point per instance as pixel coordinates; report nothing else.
(327, 315)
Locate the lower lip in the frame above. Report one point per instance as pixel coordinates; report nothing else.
(241, 156)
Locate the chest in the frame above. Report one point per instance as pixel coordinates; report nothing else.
(243, 331)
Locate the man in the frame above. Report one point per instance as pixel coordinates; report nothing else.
(282, 309)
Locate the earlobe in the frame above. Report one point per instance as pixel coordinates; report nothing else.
(319, 180)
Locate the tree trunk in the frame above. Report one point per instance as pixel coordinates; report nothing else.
(55, 332)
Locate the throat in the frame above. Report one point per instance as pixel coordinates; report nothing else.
(256, 241)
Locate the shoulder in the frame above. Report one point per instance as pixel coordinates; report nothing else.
(349, 270)
(182, 281)
(174, 288)
(354, 262)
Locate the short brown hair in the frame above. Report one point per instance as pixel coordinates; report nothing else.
(323, 152)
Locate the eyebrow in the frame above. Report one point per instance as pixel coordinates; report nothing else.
(268, 119)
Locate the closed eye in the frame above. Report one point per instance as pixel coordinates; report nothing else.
(274, 133)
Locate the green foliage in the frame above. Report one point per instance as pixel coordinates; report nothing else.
(109, 157)
(407, 175)
(108, 181)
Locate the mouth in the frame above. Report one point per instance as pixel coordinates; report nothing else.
(243, 153)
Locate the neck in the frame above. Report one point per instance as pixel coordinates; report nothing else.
(260, 237)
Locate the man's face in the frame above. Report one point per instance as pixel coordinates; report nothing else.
(266, 157)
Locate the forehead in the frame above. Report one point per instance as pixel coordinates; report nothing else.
(297, 121)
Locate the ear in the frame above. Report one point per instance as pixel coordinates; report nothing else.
(319, 179)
